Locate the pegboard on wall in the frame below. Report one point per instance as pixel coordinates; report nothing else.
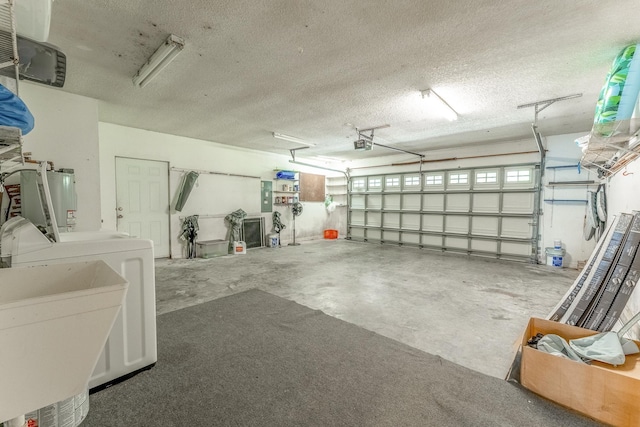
(312, 187)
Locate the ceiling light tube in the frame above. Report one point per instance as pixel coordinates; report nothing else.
(292, 139)
(445, 109)
(160, 59)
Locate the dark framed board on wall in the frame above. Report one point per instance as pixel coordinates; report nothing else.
(312, 187)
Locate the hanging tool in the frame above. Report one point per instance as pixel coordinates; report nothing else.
(189, 234)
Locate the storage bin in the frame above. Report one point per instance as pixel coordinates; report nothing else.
(212, 248)
(330, 234)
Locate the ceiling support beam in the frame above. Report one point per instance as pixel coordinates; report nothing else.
(293, 152)
(541, 105)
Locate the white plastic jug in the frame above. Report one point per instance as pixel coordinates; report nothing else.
(554, 256)
(239, 248)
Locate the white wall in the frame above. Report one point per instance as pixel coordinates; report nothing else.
(565, 220)
(622, 190)
(187, 153)
(66, 133)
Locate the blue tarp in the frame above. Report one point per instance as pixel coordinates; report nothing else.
(286, 175)
(14, 112)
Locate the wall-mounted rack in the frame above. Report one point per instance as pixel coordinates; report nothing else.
(609, 155)
(10, 137)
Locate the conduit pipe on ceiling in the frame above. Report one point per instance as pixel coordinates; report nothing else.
(448, 159)
(346, 173)
(421, 156)
(294, 161)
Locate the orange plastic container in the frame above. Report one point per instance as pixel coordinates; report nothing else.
(330, 234)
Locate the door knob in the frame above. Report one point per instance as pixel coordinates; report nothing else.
(120, 208)
(120, 216)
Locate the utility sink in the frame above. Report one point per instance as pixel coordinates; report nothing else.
(54, 322)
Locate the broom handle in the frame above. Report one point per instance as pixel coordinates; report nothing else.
(629, 324)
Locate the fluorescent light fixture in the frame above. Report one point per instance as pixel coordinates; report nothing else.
(292, 139)
(444, 108)
(160, 59)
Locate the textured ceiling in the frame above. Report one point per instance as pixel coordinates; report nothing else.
(317, 70)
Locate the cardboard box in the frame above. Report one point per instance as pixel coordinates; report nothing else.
(600, 391)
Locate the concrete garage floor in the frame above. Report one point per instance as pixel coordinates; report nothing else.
(469, 310)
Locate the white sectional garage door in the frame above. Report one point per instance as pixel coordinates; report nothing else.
(489, 211)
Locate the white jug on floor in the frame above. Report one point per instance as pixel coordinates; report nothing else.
(239, 248)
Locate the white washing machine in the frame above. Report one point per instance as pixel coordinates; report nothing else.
(132, 344)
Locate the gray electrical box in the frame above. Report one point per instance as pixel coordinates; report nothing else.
(266, 202)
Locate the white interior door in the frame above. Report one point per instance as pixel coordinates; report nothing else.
(142, 197)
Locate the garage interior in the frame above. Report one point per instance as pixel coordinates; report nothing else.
(391, 190)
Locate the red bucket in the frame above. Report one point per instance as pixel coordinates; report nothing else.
(330, 234)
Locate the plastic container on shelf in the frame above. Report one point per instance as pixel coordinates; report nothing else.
(285, 174)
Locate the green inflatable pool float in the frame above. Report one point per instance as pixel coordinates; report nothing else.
(619, 94)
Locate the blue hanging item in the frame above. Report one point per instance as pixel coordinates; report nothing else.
(14, 112)
(286, 175)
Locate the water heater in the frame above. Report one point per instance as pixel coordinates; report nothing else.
(62, 186)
